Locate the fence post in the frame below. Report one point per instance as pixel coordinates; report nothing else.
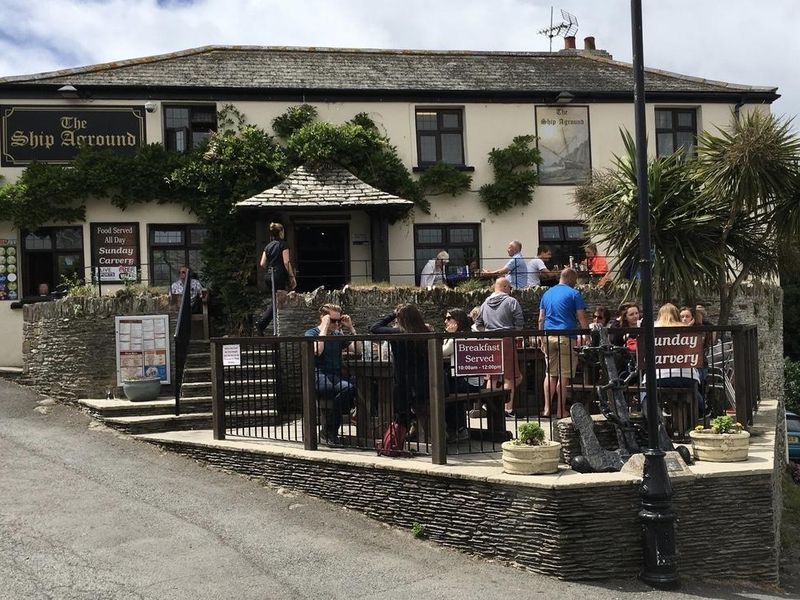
(217, 392)
(436, 393)
(307, 376)
(741, 375)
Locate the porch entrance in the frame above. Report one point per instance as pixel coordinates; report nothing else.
(322, 256)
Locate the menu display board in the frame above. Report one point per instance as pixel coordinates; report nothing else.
(115, 251)
(143, 347)
(9, 284)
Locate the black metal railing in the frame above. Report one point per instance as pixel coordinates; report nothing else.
(348, 390)
(183, 334)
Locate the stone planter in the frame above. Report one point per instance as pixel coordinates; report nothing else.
(142, 390)
(521, 459)
(720, 447)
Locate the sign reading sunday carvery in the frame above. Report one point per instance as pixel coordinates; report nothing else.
(677, 351)
(478, 357)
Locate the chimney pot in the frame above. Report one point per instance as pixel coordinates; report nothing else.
(588, 43)
(569, 42)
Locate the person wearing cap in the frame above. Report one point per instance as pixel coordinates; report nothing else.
(433, 272)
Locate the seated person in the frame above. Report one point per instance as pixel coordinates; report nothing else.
(454, 415)
(329, 380)
(196, 289)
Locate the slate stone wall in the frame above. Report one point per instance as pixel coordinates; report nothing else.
(69, 344)
(726, 526)
(757, 303)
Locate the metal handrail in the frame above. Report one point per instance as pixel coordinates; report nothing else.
(183, 333)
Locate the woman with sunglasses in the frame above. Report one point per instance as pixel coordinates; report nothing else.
(456, 320)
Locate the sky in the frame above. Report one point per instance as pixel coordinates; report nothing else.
(738, 41)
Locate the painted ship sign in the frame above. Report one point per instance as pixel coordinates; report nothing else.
(54, 134)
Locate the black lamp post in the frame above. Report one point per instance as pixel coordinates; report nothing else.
(659, 567)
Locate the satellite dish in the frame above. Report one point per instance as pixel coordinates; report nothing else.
(567, 27)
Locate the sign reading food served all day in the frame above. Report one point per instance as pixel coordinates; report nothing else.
(54, 134)
(677, 350)
(478, 357)
(142, 347)
(115, 251)
(9, 286)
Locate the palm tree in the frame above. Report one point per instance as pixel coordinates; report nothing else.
(699, 241)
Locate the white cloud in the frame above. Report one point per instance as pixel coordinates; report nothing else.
(729, 40)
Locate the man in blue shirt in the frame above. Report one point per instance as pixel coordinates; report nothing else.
(328, 368)
(561, 307)
(516, 269)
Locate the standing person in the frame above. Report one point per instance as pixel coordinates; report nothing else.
(516, 269)
(562, 307)
(329, 380)
(501, 312)
(410, 358)
(276, 256)
(537, 269)
(433, 273)
(195, 289)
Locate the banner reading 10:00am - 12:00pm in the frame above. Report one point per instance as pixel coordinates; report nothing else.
(54, 134)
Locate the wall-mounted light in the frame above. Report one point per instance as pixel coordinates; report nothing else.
(150, 106)
(564, 98)
(68, 91)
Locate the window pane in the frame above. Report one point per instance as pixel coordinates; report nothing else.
(686, 119)
(550, 232)
(426, 121)
(462, 235)
(166, 263)
(430, 235)
(458, 256)
(204, 115)
(196, 262)
(176, 117)
(664, 144)
(452, 151)
(663, 119)
(68, 266)
(197, 235)
(69, 238)
(427, 148)
(199, 138)
(686, 141)
(40, 241)
(164, 237)
(451, 120)
(575, 232)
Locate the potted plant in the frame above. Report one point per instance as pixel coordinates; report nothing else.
(142, 388)
(725, 441)
(530, 453)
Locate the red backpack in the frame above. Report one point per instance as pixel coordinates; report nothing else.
(394, 441)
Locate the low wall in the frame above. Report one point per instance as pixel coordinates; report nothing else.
(568, 525)
(69, 344)
(757, 303)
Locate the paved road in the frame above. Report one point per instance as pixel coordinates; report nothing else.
(88, 513)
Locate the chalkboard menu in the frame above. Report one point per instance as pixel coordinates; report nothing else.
(115, 251)
(9, 284)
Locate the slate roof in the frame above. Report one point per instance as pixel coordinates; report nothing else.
(366, 70)
(331, 187)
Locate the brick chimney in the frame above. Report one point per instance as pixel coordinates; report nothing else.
(569, 42)
(588, 43)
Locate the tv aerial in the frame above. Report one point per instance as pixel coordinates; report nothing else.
(567, 27)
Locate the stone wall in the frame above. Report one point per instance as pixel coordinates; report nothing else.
(757, 303)
(576, 532)
(69, 344)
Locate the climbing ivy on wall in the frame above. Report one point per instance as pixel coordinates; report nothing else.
(515, 176)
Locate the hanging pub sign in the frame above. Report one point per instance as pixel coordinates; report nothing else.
(54, 134)
(115, 251)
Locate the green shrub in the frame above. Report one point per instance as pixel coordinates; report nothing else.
(531, 434)
(471, 285)
(791, 385)
(725, 424)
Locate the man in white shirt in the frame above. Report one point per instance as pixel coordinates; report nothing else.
(433, 273)
(537, 269)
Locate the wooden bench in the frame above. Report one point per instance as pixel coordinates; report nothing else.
(495, 401)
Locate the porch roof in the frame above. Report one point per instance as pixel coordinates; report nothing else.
(330, 187)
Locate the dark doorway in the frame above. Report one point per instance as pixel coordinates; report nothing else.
(322, 256)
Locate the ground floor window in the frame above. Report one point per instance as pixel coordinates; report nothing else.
(172, 246)
(460, 240)
(50, 255)
(565, 239)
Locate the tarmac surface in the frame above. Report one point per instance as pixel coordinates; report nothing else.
(86, 512)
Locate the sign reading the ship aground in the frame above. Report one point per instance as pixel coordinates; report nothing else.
(54, 134)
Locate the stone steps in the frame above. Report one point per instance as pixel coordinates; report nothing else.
(139, 424)
(164, 405)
